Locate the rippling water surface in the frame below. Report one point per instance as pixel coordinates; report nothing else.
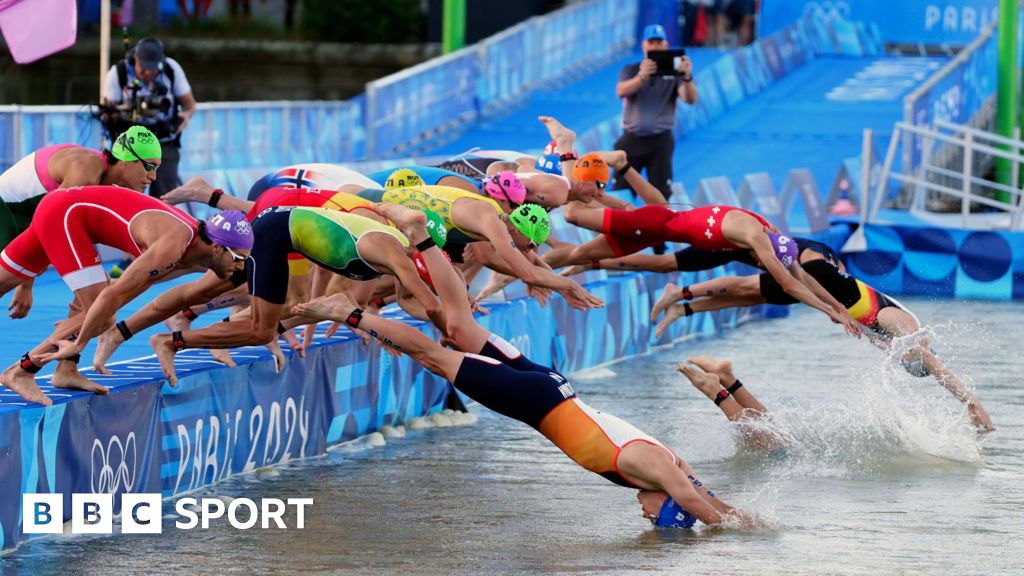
(884, 476)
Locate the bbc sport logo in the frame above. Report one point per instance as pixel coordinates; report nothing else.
(143, 513)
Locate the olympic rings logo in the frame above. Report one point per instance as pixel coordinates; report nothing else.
(110, 467)
(828, 10)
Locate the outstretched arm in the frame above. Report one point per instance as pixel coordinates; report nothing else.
(164, 306)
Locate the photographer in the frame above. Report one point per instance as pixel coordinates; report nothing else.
(649, 111)
(151, 90)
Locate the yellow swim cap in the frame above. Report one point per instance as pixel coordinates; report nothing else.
(403, 178)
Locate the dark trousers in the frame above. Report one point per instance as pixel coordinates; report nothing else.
(167, 174)
(653, 153)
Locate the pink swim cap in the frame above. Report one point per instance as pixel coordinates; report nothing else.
(506, 186)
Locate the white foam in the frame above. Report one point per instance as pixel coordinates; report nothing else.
(596, 373)
(393, 431)
(419, 422)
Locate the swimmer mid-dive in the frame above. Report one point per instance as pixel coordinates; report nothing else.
(884, 318)
(493, 372)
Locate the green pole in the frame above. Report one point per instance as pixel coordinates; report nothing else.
(1006, 90)
(454, 30)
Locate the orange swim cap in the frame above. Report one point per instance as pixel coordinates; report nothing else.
(591, 167)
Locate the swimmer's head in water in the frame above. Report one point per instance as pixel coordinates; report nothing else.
(673, 515)
(506, 186)
(549, 163)
(913, 365)
(403, 178)
(533, 221)
(785, 248)
(436, 228)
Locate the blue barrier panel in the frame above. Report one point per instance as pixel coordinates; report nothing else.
(939, 262)
(954, 22)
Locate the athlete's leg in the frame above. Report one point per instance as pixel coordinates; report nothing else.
(401, 337)
(706, 376)
(741, 286)
(677, 311)
(728, 380)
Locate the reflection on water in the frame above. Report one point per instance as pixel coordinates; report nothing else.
(883, 473)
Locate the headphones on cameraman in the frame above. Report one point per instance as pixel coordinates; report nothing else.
(130, 57)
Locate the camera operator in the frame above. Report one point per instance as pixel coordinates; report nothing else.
(149, 89)
(649, 111)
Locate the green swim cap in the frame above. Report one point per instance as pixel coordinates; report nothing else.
(532, 220)
(436, 228)
(403, 178)
(139, 139)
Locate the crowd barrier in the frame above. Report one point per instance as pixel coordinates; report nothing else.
(221, 135)
(411, 106)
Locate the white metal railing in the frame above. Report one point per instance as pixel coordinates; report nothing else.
(936, 179)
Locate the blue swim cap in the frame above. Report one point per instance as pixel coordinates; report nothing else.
(672, 515)
(549, 163)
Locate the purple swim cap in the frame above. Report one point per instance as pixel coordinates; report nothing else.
(230, 228)
(673, 515)
(785, 248)
(506, 186)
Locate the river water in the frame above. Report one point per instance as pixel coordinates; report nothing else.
(883, 476)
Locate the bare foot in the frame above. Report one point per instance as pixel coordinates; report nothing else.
(275, 349)
(67, 377)
(223, 355)
(293, 341)
(674, 312)
(106, 345)
(410, 222)
(336, 307)
(563, 137)
(723, 368)
(197, 189)
(614, 158)
(669, 295)
(178, 323)
(165, 351)
(708, 384)
(23, 384)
